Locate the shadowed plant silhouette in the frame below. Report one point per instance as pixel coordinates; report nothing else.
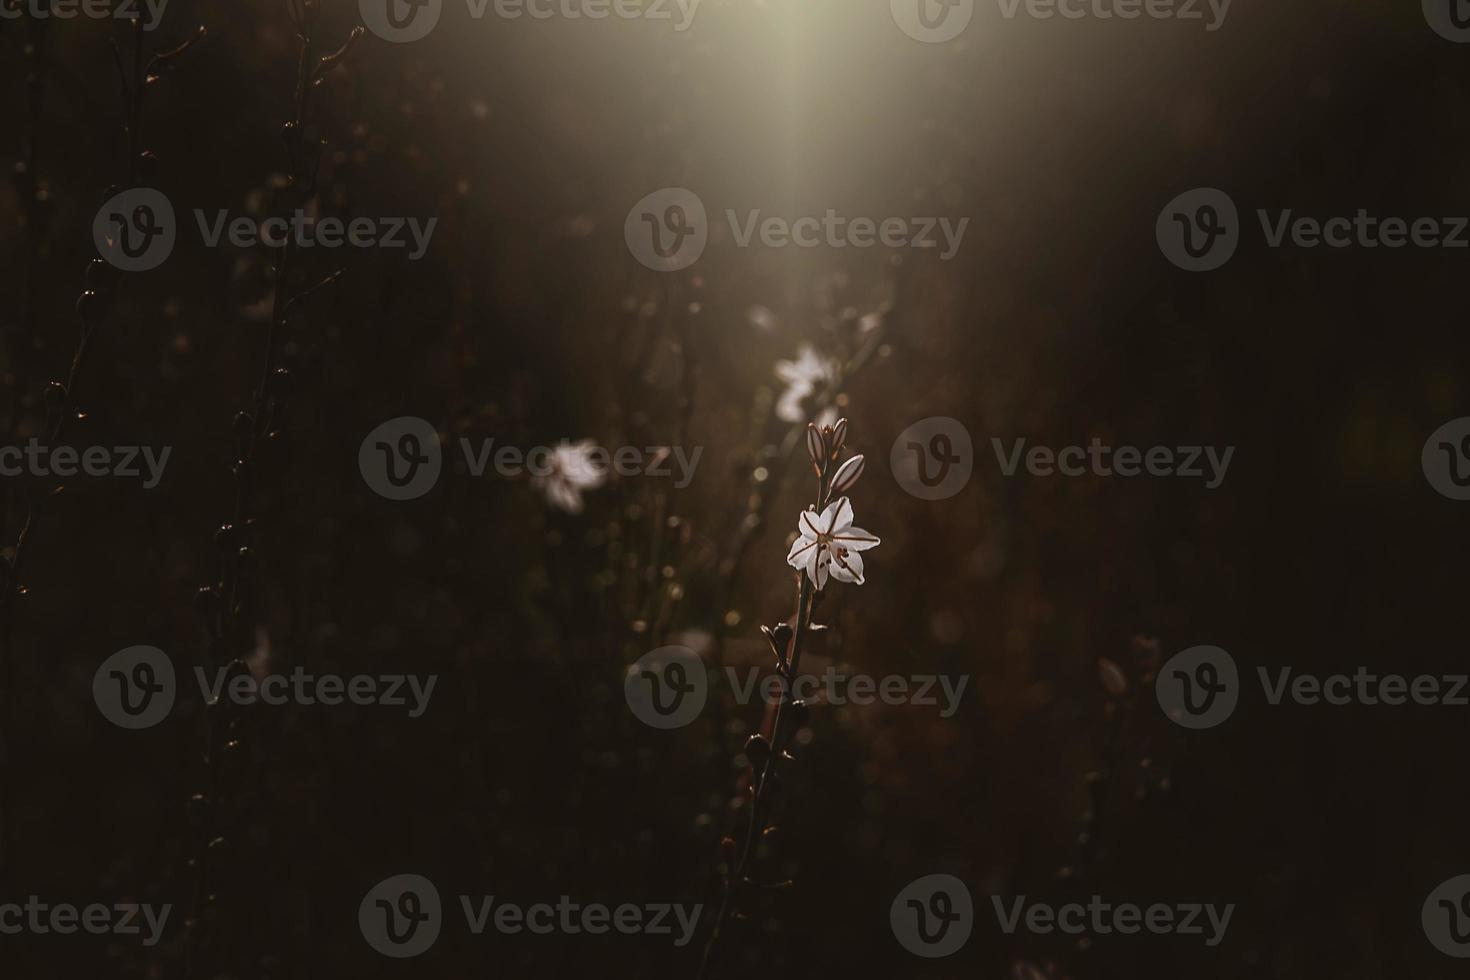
(228, 605)
(61, 402)
(828, 547)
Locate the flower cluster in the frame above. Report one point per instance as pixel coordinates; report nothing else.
(827, 543)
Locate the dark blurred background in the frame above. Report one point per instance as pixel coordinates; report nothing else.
(529, 322)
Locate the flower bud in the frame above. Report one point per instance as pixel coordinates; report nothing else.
(847, 475)
(1112, 677)
(839, 436)
(814, 447)
(757, 750)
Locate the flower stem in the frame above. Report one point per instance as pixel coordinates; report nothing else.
(762, 781)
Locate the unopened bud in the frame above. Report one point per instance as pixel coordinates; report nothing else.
(847, 475)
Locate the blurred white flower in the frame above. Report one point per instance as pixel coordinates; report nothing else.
(802, 377)
(572, 470)
(827, 543)
(762, 318)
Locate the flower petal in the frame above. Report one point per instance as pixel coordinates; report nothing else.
(848, 568)
(788, 372)
(815, 446)
(797, 557)
(563, 495)
(837, 518)
(813, 559)
(823, 566)
(856, 539)
(788, 409)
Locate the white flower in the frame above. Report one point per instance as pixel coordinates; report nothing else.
(571, 469)
(762, 319)
(828, 543)
(802, 376)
